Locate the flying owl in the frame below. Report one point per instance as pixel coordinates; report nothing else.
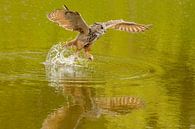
(72, 20)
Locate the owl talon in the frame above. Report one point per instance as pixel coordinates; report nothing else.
(91, 58)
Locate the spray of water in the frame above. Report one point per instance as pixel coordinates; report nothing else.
(62, 63)
(65, 55)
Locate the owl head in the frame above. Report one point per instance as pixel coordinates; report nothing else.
(98, 28)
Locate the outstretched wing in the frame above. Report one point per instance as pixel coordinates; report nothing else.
(126, 26)
(69, 20)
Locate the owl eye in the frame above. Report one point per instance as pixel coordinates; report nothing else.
(102, 27)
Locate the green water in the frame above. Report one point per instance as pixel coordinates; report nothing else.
(157, 66)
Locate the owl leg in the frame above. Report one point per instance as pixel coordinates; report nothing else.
(69, 43)
(74, 43)
(79, 46)
(87, 49)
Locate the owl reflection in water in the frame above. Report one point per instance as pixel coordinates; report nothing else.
(71, 20)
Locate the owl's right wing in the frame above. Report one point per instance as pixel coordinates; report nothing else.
(69, 20)
(126, 26)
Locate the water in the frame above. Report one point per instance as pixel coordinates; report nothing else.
(156, 68)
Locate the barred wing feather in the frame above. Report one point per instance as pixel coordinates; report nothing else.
(69, 20)
(126, 26)
(119, 104)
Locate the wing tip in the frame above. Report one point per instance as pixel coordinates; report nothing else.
(149, 26)
(65, 7)
(48, 16)
(145, 27)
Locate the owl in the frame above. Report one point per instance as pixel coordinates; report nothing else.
(88, 34)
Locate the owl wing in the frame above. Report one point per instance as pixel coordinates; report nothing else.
(120, 103)
(126, 26)
(69, 20)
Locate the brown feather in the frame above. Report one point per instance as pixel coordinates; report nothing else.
(69, 20)
(126, 26)
(119, 103)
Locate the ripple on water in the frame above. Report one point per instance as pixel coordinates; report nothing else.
(125, 69)
(21, 65)
(62, 66)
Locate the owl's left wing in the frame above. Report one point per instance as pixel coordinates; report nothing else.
(126, 26)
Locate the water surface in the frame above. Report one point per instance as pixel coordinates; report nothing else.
(156, 68)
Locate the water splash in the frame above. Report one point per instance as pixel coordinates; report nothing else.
(65, 55)
(62, 66)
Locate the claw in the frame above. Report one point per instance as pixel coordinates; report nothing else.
(90, 57)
